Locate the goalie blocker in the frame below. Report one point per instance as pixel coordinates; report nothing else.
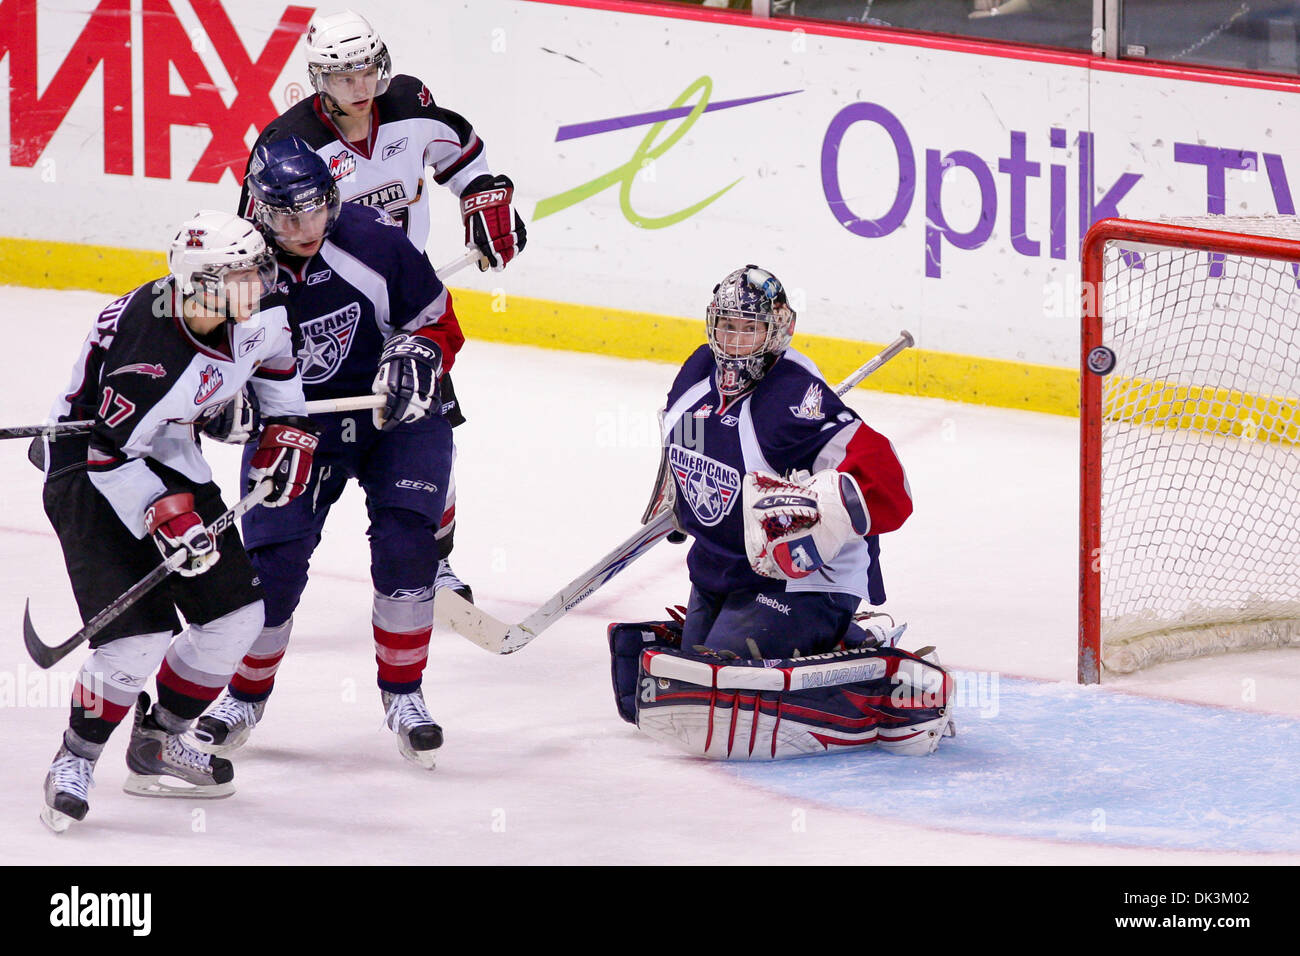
(731, 709)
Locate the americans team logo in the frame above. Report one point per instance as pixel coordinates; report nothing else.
(708, 486)
(327, 340)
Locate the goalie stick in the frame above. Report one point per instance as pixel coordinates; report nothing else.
(46, 656)
(453, 611)
(320, 407)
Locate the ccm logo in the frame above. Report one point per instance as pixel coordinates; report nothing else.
(297, 440)
(490, 198)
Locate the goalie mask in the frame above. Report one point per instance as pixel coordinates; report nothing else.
(750, 323)
(346, 60)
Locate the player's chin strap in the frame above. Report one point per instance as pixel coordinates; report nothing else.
(453, 611)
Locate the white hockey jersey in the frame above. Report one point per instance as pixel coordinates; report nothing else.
(408, 132)
(146, 380)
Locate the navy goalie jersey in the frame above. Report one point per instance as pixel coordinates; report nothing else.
(790, 421)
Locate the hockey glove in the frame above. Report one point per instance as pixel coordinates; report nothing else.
(176, 526)
(792, 528)
(284, 457)
(237, 422)
(487, 213)
(409, 369)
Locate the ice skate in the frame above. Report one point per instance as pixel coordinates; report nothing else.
(67, 789)
(446, 578)
(418, 735)
(227, 725)
(162, 764)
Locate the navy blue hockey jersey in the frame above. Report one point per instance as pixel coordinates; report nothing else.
(791, 420)
(364, 284)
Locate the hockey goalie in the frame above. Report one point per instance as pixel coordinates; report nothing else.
(784, 490)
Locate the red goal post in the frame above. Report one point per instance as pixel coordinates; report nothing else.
(1189, 540)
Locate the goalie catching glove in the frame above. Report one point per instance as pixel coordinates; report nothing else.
(486, 211)
(792, 527)
(176, 526)
(284, 458)
(409, 370)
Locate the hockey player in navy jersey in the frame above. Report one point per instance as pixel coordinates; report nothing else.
(783, 489)
(157, 362)
(378, 133)
(370, 314)
(749, 405)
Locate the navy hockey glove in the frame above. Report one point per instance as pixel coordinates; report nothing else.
(409, 369)
(284, 456)
(237, 422)
(488, 216)
(176, 526)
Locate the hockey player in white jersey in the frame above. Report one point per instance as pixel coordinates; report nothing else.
(158, 361)
(378, 134)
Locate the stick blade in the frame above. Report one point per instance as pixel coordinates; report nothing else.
(44, 655)
(452, 611)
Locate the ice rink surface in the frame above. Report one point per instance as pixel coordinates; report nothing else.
(1185, 763)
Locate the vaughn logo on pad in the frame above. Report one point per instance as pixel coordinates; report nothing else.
(708, 486)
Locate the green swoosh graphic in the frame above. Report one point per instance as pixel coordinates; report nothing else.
(645, 152)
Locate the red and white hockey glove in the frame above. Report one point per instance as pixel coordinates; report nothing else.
(792, 528)
(284, 457)
(176, 526)
(491, 224)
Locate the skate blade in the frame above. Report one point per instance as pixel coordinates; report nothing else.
(161, 785)
(231, 744)
(56, 821)
(427, 759)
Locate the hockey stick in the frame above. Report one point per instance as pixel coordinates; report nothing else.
(453, 611)
(319, 407)
(46, 656)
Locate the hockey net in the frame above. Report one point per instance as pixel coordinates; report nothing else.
(1190, 440)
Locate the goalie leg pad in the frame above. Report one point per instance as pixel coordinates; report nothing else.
(770, 710)
(626, 643)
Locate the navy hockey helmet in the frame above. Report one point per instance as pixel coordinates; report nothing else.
(295, 198)
(749, 323)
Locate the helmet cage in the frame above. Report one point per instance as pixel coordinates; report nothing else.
(749, 295)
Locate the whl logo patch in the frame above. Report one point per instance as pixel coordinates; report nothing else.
(708, 486)
(342, 165)
(209, 384)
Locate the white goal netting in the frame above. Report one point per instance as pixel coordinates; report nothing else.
(1200, 439)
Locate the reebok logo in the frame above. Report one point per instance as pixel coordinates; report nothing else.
(773, 603)
(74, 909)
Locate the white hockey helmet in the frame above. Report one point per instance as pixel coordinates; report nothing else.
(345, 43)
(212, 244)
